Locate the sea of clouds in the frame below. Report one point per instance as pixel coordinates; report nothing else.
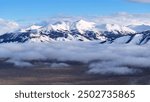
(120, 59)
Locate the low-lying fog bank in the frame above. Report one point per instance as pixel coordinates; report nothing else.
(120, 59)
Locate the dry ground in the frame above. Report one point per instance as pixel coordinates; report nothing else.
(73, 75)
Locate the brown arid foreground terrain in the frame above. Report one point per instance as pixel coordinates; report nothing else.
(75, 74)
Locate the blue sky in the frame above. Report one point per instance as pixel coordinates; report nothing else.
(31, 9)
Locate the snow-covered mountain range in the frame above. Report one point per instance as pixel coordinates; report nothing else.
(80, 31)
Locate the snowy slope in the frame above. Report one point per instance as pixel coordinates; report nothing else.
(60, 26)
(116, 29)
(122, 40)
(140, 28)
(81, 26)
(137, 39)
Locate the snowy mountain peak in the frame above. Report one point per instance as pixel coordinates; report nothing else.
(60, 26)
(115, 28)
(34, 27)
(83, 25)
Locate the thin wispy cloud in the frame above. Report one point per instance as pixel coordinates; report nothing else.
(124, 18)
(121, 18)
(141, 1)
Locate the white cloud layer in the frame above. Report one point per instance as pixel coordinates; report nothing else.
(124, 18)
(121, 18)
(7, 26)
(101, 58)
